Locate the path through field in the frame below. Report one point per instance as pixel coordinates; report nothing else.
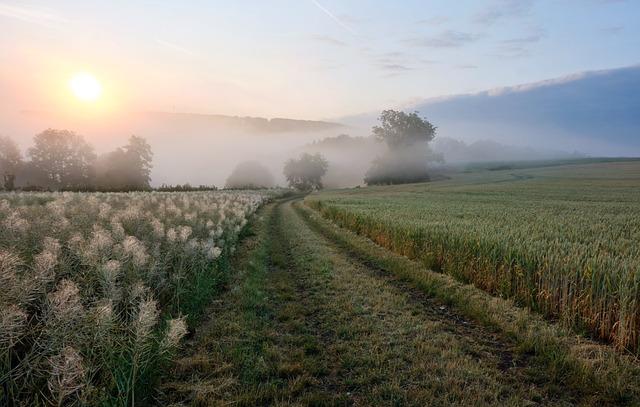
(305, 321)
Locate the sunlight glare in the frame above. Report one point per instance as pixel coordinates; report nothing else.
(85, 87)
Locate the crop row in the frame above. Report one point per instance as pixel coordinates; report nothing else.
(572, 260)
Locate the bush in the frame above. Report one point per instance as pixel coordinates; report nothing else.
(250, 175)
(401, 166)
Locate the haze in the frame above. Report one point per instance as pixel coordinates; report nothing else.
(339, 62)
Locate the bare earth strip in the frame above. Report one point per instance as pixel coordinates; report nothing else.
(305, 322)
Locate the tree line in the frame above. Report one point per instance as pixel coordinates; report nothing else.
(407, 158)
(63, 160)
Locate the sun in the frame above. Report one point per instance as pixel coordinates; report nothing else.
(85, 87)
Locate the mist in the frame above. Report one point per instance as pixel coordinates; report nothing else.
(205, 149)
(195, 149)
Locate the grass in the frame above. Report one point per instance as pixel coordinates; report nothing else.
(316, 315)
(99, 289)
(584, 371)
(561, 240)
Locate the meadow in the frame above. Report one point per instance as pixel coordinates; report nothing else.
(562, 240)
(98, 289)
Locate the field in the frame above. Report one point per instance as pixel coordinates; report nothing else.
(99, 289)
(563, 240)
(343, 297)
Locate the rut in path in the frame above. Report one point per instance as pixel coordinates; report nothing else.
(305, 323)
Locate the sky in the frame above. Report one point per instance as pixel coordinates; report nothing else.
(306, 59)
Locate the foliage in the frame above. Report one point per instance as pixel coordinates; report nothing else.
(126, 168)
(306, 173)
(185, 188)
(250, 175)
(402, 166)
(400, 129)
(10, 162)
(408, 157)
(562, 240)
(63, 158)
(97, 288)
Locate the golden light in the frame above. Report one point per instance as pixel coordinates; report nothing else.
(85, 87)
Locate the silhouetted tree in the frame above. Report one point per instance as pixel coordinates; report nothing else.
(125, 168)
(250, 175)
(399, 129)
(140, 158)
(306, 172)
(63, 158)
(10, 162)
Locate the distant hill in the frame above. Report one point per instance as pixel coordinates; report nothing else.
(456, 151)
(246, 124)
(597, 113)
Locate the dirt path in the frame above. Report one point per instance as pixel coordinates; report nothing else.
(306, 322)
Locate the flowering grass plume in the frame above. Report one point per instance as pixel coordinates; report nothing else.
(99, 289)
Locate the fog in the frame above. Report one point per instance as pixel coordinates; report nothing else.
(591, 114)
(205, 149)
(198, 149)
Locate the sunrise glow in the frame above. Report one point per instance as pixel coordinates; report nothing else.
(85, 87)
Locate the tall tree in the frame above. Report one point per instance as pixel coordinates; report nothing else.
(125, 168)
(63, 157)
(400, 129)
(140, 158)
(10, 162)
(306, 172)
(407, 136)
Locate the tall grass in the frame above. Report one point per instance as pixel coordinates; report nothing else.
(98, 289)
(567, 245)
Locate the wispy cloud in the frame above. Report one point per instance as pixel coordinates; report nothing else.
(519, 46)
(32, 14)
(433, 21)
(613, 30)
(333, 17)
(329, 40)
(466, 66)
(394, 67)
(503, 9)
(175, 47)
(445, 39)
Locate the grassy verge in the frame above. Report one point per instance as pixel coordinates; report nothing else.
(257, 346)
(596, 372)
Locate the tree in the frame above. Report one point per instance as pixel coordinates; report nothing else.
(126, 168)
(10, 162)
(250, 175)
(140, 156)
(407, 160)
(402, 166)
(306, 172)
(399, 129)
(63, 158)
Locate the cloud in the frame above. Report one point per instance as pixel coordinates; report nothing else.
(519, 46)
(31, 14)
(333, 17)
(329, 40)
(613, 30)
(175, 47)
(435, 21)
(395, 67)
(524, 40)
(466, 66)
(445, 39)
(503, 9)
